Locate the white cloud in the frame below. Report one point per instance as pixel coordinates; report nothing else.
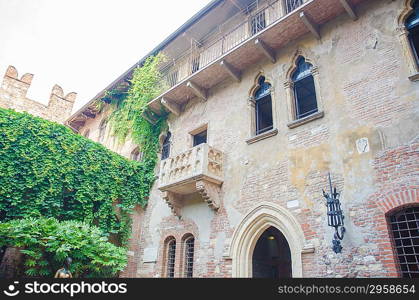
(83, 45)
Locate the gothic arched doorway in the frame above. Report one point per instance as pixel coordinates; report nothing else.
(272, 256)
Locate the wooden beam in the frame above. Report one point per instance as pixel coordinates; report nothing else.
(269, 53)
(146, 115)
(349, 9)
(171, 106)
(313, 27)
(231, 70)
(197, 90)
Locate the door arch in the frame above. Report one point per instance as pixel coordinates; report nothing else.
(251, 228)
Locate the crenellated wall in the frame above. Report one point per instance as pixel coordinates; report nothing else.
(13, 94)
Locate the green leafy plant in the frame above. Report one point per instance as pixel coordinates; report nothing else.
(46, 242)
(47, 170)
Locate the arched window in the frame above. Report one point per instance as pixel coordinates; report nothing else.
(102, 130)
(189, 249)
(263, 107)
(304, 89)
(404, 225)
(136, 154)
(165, 152)
(412, 26)
(170, 258)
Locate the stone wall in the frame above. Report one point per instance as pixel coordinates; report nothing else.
(13, 93)
(367, 140)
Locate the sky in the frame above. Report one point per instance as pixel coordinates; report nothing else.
(83, 45)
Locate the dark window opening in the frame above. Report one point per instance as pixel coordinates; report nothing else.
(136, 155)
(412, 25)
(304, 90)
(200, 138)
(171, 252)
(165, 152)
(189, 254)
(258, 22)
(272, 256)
(405, 231)
(263, 107)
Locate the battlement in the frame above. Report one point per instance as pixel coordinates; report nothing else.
(13, 94)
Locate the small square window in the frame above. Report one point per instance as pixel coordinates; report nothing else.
(200, 138)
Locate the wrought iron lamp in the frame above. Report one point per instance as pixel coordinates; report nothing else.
(335, 216)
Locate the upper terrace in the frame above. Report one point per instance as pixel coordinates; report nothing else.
(223, 40)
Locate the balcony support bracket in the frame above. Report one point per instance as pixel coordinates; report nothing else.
(235, 74)
(349, 9)
(149, 117)
(266, 50)
(174, 202)
(310, 24)
(171, 106)
(210, 193)
(197, 90)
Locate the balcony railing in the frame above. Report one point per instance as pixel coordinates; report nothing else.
(197, 170)
(250, 22)
(201, 161)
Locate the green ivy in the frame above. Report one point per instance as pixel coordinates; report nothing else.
(47, 170)
(46, 242)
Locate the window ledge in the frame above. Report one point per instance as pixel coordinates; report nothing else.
(414, 77)
(305, 120)
(262, 136)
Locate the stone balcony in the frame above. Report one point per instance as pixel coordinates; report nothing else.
(197, 170)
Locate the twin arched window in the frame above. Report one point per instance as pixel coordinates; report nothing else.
(304, 89)
(263, 107)
(188, 246)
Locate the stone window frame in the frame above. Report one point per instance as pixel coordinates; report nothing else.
(403, 33)
(293, 122)
(182, 266)
(251, 109)
(197, 130)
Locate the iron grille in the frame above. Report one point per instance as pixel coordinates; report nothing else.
(405, 228)
(290, 5)
(171, 252)
(189, 253)
(258, 22)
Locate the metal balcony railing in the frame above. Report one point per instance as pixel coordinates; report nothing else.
(251, 21)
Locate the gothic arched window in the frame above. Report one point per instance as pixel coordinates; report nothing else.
(263, 107)
(412, 26)
(304, 89)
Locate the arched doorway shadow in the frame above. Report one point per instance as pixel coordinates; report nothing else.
(272, 256)
(253, 226)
